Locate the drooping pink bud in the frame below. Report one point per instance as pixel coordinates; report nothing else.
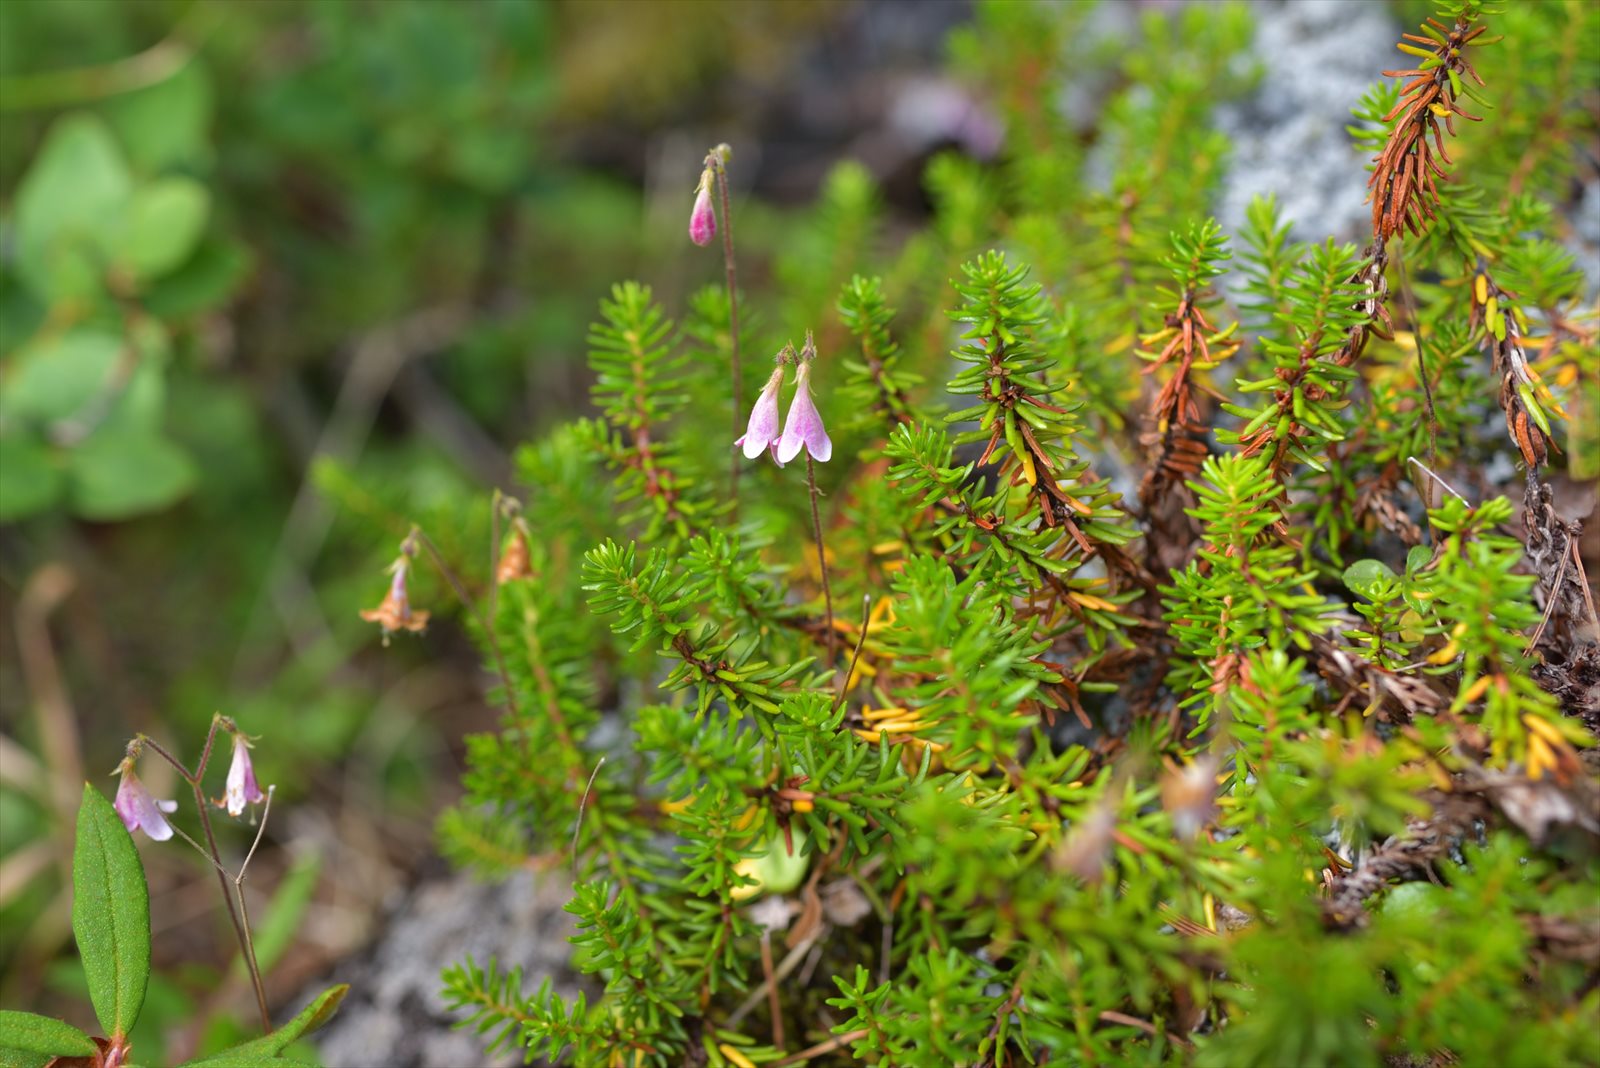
(702, 219)
(763, 431)
(140, 811)
(241, 788)
(804, 425)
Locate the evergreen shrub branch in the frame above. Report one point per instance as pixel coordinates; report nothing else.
(1195, 694)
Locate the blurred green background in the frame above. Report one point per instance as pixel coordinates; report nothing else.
(276, 275)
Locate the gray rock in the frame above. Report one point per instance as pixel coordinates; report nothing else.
(1318, 59)
(395, 1015)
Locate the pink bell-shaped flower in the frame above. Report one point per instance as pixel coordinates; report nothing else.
(804, 424)
(241, 788)
(763, 431)
(140, 811)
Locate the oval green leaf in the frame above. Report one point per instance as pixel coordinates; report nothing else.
(24, 1032)
(118, 473)
(161, 226)
(110, 914)
(58, 376)
(1365, 577)
(72, 194)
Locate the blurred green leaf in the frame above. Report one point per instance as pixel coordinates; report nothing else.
(25, 1032)
(202, 282)
(29, 479)
(21, 312)
(67, 202)
(58, 375)
(120, 473)
(110, 914)
(166, 125)
(161, 226)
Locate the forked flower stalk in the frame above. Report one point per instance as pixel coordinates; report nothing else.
(211, 851)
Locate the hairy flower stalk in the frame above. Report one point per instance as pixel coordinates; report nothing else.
(195, 779)
(717, 166)
(804, 428)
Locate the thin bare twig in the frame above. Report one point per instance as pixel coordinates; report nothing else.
(261, 829)
(790, 962)
(822, 1047)
(1550, 603)
(83, 85)
(583, 802)
(855, 656)
(1583, 580)
(244, 905)
(1425, 469)
(773, 1008)
(1111, 1016)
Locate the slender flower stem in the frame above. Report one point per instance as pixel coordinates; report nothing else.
(240, 930)
(494, 556)
(244, 905)
(239, 927)
(466, 602)
(822, 555)
(149, 743)
(719, 164)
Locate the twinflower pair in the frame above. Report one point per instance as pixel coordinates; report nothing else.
(802, 429)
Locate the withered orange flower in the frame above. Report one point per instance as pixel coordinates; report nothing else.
(396, 613)
(514, 561)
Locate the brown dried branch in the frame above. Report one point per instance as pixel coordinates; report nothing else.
(1405, 856)
(1495, 316)
(1175, 431)
(1397, 697)
(1537, 807)
(1402, 189)
(1568, 637)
